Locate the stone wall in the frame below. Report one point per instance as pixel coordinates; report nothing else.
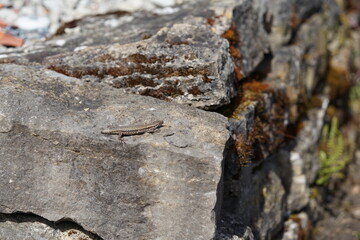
(243, 88)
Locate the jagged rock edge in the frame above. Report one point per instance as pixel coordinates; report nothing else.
(62, 224)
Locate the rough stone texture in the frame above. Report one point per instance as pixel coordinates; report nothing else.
(183, 56)
(255, 190)
(192, 67)
(28, 229)
(285, 16)
(304, 159)
(296, 70)
(178, 57)
(271, 218)
(297, 227)
(253, 41)
(302, 65)
(55, 163)
(313, 40)
(189, 179)
(260, 206)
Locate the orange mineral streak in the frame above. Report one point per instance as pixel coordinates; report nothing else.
(257, 87)
(238, 73)
(244, 150)
(233, 37)
(230, 35)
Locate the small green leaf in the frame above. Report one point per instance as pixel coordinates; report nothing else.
(357, 235)
(333, 154)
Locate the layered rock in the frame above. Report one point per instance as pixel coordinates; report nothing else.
(202, 175)
(56, 164)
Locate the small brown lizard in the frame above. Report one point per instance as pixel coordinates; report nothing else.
(134, 129)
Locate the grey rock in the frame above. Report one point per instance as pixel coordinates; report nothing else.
(37, 231)
(304, 159)
(296, 227)
(185, 62)
(273, 195)
(277, 21)
(286, 68)
(281, 18)
(57, 165)
(248, 235)
(180, 57)
(185, 180)
(231, 228)
(177, 57)
(300, 66)
(312, 38)
(253, 41)
(253, 197)
(5, 124)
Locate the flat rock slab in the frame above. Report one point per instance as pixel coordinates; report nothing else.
(185, 63)
(193, 54)
(182, 57)
(177, 57)
(56, 164)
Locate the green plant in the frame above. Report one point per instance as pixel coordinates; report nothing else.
(354, 97)
(355, 92)
(333, 155)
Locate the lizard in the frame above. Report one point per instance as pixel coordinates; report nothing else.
(134, 129)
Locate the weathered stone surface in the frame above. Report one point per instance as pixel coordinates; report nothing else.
(312, 39)
(297, 227)
(233, 233)
(296, 70)
(304, 159)
(30, 229)
(181, 57)
(277, 21)
(253, 42)
(55, 163)
(286, 69)
(273, 196)
(255, 187)
(282, 18)
(165, 185)
(301, 66)
(186, 63)
(255, 198)
(177, 57)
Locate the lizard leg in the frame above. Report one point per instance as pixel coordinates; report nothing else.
(121, 139)
(152, 130)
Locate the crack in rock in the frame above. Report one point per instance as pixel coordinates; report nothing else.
(20, 225)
